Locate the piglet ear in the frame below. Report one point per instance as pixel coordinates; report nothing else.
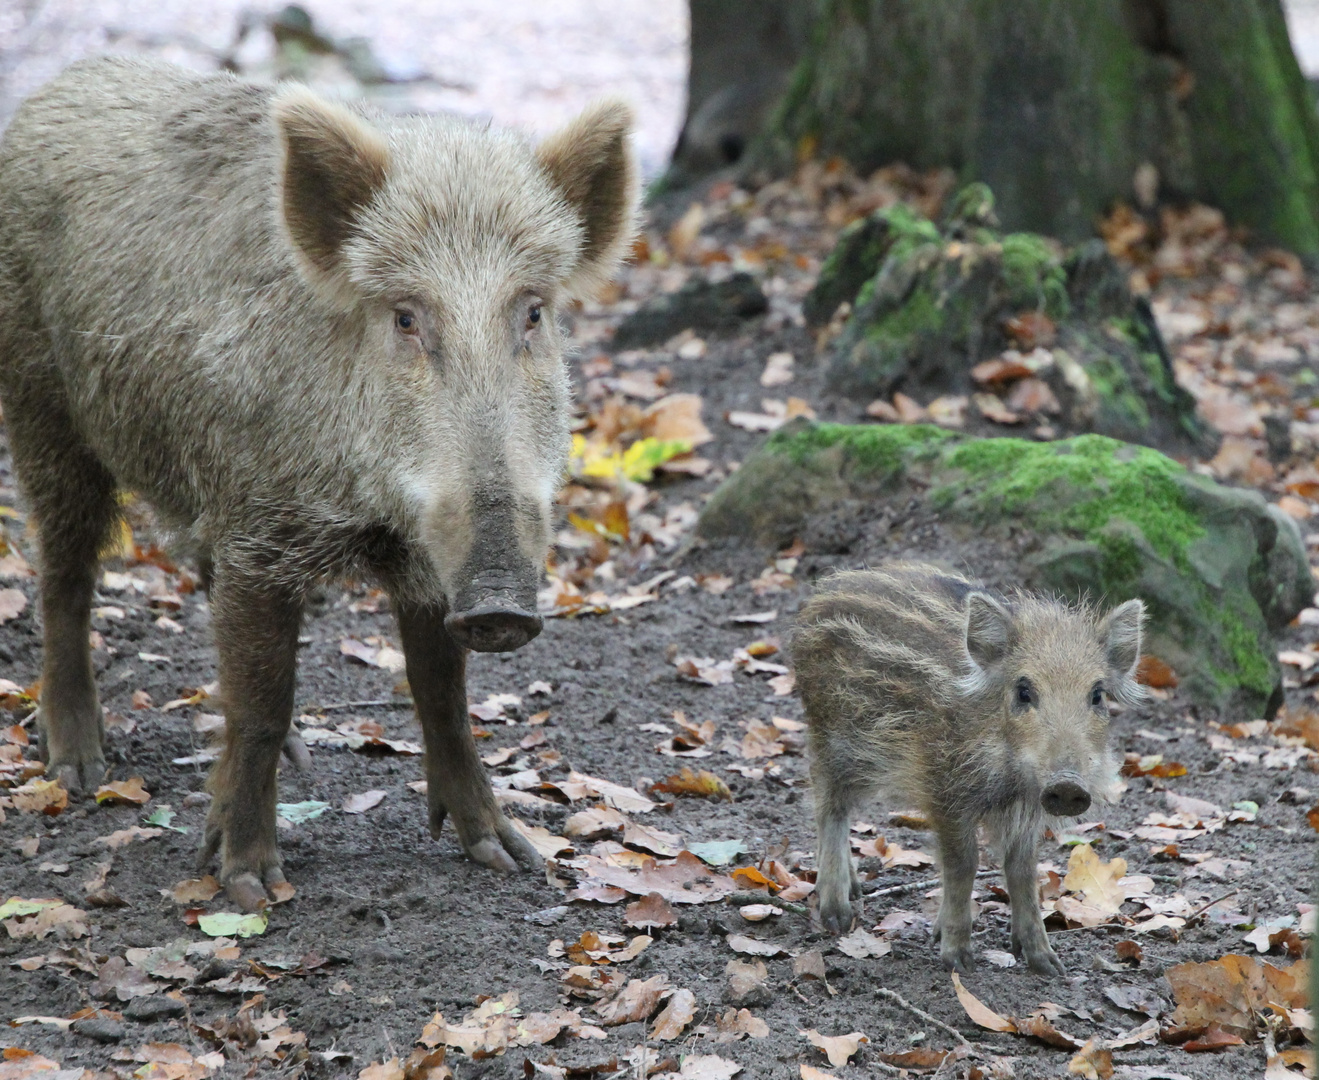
(332, 163)
(988, 629)
(1123, 629)
(592, 165)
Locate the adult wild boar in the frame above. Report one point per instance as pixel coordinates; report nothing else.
(321, 342)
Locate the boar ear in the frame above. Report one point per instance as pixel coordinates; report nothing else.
(988, 629)
(592, 165)
(332, 164)
(1122, 630)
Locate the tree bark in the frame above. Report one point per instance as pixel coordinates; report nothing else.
(1053, 103)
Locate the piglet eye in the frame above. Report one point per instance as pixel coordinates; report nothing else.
(406, 323)
(1097, 696)
(1025, 692)
(533, 315)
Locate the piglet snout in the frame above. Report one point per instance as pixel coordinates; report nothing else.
(1064, 797)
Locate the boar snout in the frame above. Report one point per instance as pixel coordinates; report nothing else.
(495, 613)
(1065, 797)
(493, 626)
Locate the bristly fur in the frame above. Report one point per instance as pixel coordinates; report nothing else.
(910, 676)
(320, 341)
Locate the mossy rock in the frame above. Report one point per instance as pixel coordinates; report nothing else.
(708, 307)
(1219, 568)
(928, 304)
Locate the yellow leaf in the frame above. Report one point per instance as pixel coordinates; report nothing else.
(1097, 881)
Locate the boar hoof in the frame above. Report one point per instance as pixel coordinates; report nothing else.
(1044, 961)
(297, 753)
(506, 853)
(958, 959)
(248, 892)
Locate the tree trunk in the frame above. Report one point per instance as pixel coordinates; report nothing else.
(1055, 104)
(742, 53)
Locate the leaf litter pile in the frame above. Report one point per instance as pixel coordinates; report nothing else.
(650, 747)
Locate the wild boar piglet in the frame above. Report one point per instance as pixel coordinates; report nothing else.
(976, 708)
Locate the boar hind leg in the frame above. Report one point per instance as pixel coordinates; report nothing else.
(456, 780)
(256, 632)
(1029, 938)
(838, 881)
(959, 856)
(73, 502)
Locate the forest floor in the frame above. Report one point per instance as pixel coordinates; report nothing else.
(663, 658)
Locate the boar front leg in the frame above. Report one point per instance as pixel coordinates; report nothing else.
(456, 780)
(256, 632)
(959, 856)
(838, 881)
(1029, 938)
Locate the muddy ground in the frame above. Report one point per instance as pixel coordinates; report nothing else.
(406, 926)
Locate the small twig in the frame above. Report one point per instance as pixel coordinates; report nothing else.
(386, 703)
(763, 898)
(898, 999)
(909, 885)
(1201, 910)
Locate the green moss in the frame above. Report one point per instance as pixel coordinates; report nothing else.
(876, 450)
(920, 313)
(908, 229)
(1090, 483)
(1245, 647)
(1117, 397)
(1034, 274)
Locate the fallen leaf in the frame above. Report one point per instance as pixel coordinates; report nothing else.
(375, 653)
(636, 1001)
(837, 1048)
(1094, 1061)
(233, 924)
(860, 945)
(120, 837)
(12, 604)
(703, 784)
(744, 977)
(651, 911)
(547, 845)
(592, 824)
(301, 812)
(124, 791)
(648, 838)
(778, 369)
(981, 1013)
(738, 1024)
(702, 1067)
(677, 1014)
(1213, 1039)
(754, 946)
(1233, 990)
(758, 912)
(1098, 882)
(360, 804)
(718, 852)
(1151, 671)
(193, 890)
(40, 797)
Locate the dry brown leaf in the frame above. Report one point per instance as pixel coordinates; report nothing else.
(981, 1013)
(12, 604)
(1094, 1061)
(837, 1048)
(193, 890)
(547, 845)
(745, 976)
(738, 1024)
(387, 1070)
(129, 791)
(703, 784)
(635, 1002)
(810, 1072)
(1213, 1039)
(702, 1067)
(686, 880)
(120, 837)
(652, 910)
(595, 823)
(1098, 882)
(40, 797)
(1233, 990)
(676, 417)
(677, 1014)
(1151, 671)
(360, 804)
(648, 838)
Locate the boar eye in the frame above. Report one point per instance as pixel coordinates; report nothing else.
(533, 316)
(1025, 692)
(406, 323)
(1097, 695)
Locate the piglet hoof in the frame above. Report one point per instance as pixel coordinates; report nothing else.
(836, 915)
(505, 853)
